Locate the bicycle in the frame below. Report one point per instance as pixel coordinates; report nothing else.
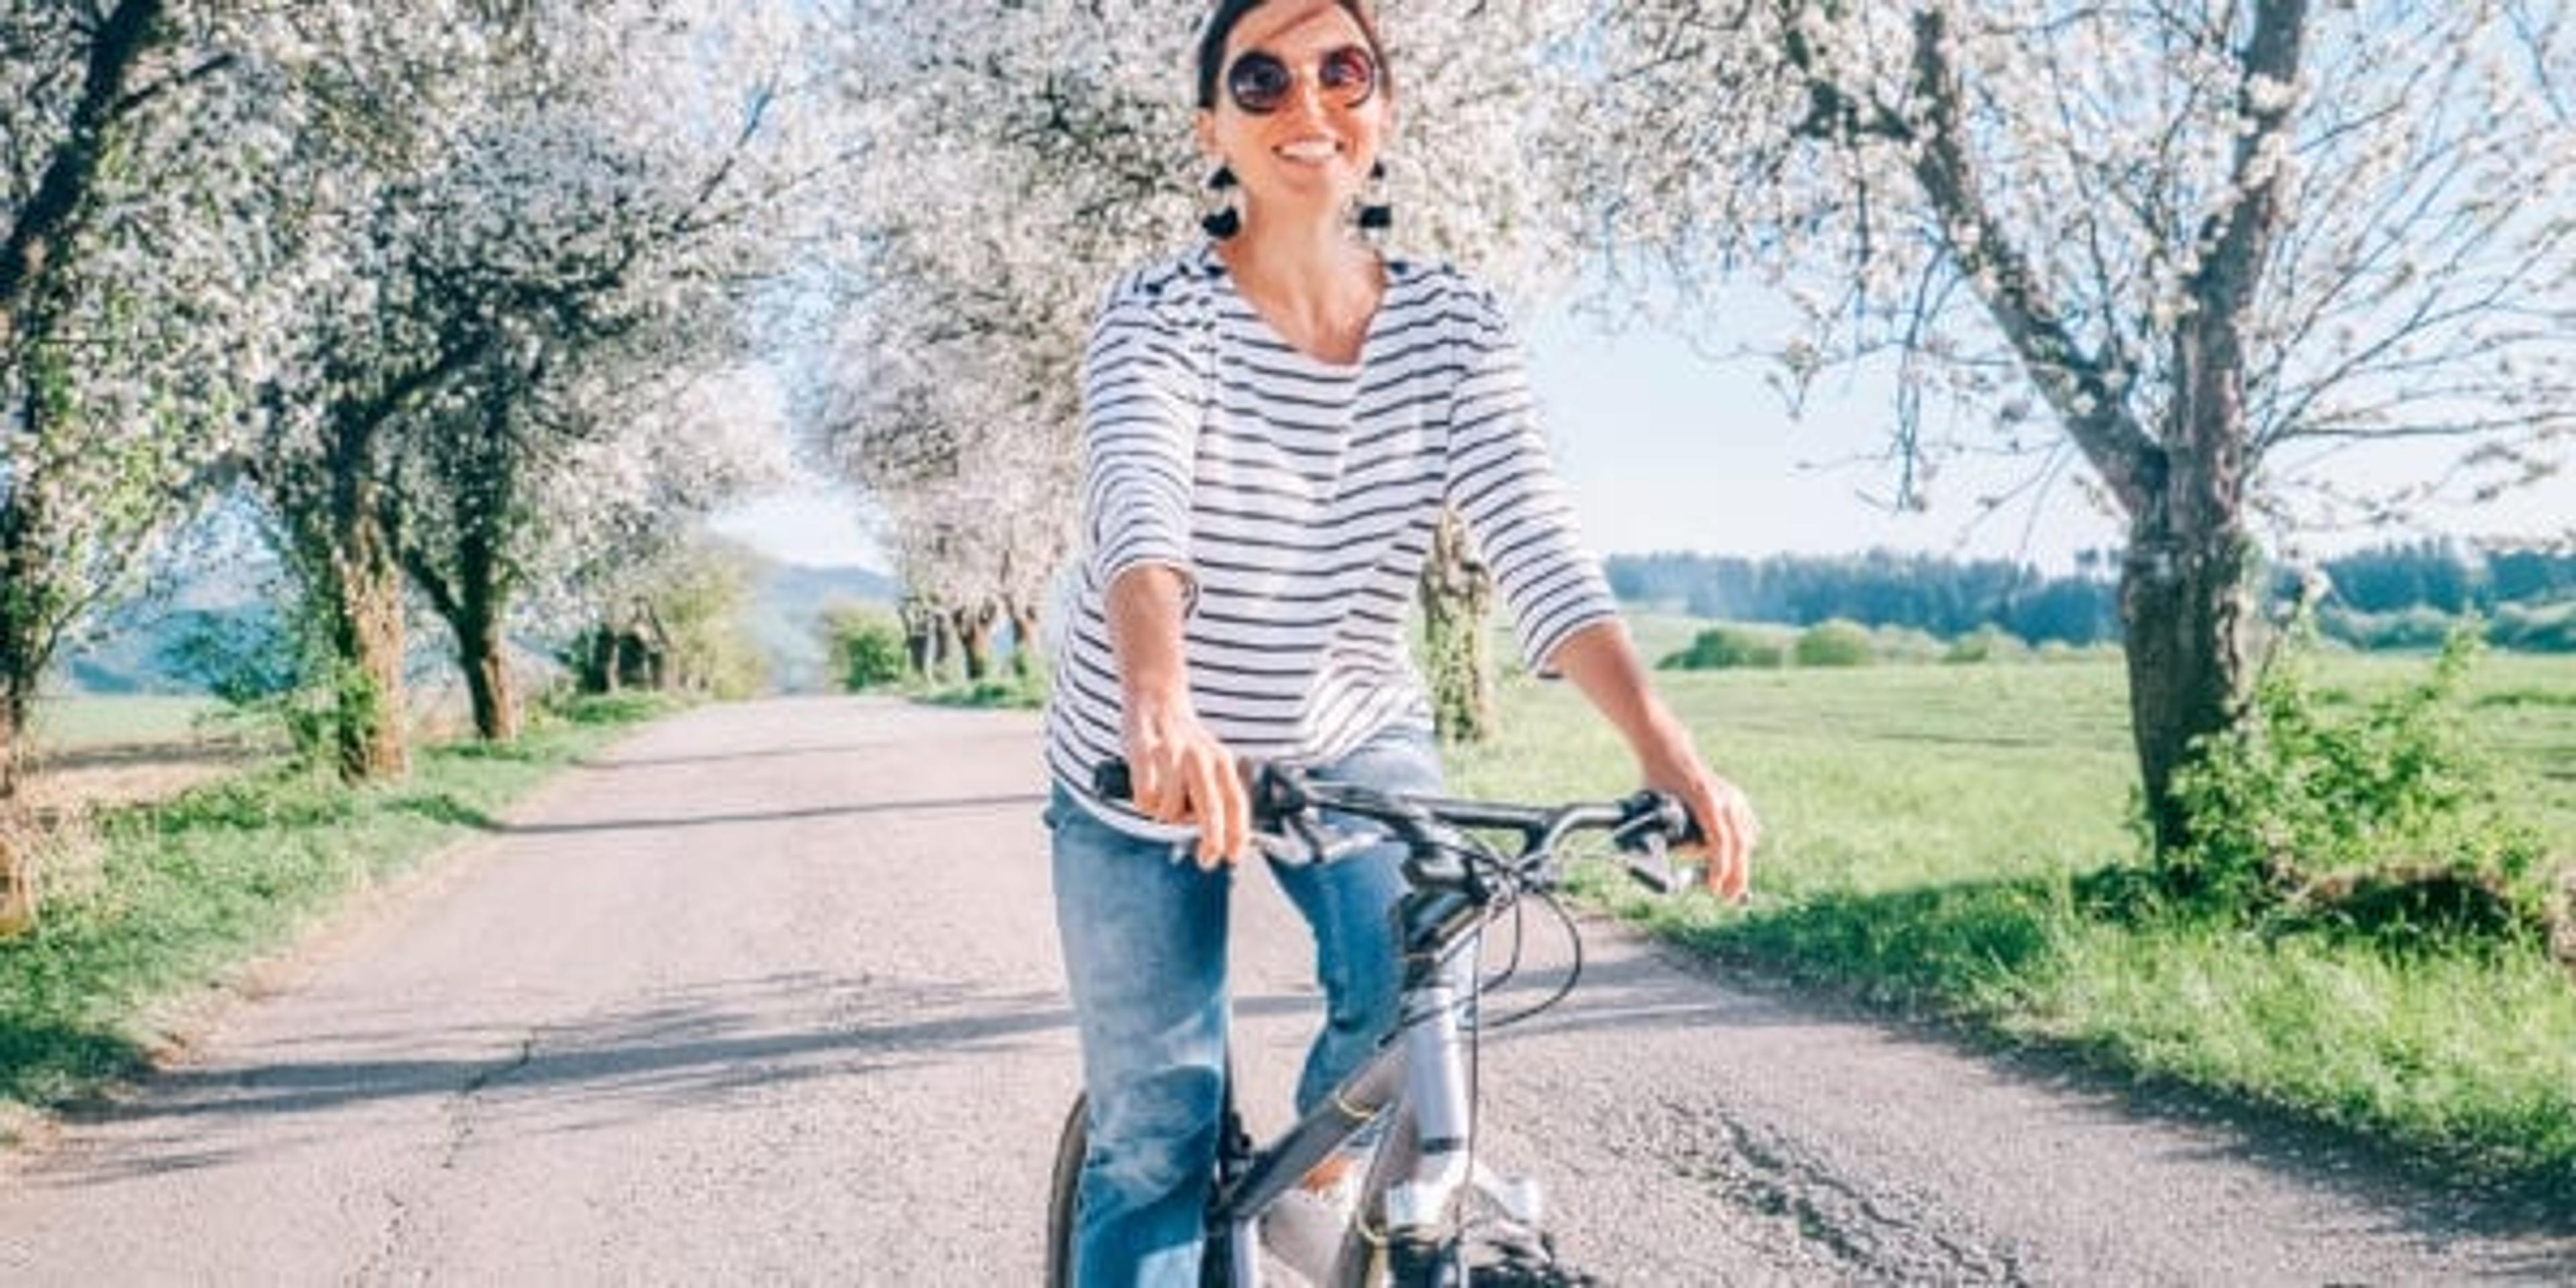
(1416, 1221)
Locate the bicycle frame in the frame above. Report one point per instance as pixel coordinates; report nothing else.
(1418, 1075)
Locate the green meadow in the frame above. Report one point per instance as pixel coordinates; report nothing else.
(1929, 835)
(80, 723)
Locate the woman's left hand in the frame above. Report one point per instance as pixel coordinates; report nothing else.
(1728, 830)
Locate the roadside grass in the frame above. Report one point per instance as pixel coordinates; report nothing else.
(1936, 842)
(173, 897)
(1004, 693)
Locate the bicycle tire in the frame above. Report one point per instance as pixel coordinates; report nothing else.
(1064, 1190)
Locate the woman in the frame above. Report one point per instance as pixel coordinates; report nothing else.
(1272, 425)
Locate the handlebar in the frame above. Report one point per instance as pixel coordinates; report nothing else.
(1285, 800)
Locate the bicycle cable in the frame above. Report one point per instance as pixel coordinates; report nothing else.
(1512, 965)
(1573, 969)
(1472, 1010)
(1510, 876)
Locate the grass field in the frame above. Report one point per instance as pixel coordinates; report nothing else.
(85, 722)
(1926, 829)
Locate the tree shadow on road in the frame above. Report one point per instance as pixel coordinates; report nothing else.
(1024, 802)
(720, 1047)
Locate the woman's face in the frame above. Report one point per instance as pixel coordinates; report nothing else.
(1313, 149)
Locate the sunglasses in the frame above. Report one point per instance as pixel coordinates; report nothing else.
(1260, 82)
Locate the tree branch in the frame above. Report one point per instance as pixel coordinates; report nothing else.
(120, 43)
(176, 80)
(2090, 392)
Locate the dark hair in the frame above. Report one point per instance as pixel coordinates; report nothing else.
(1230, 14)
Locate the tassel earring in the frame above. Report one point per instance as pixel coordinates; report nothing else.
(1375, 216)
(1222, 220)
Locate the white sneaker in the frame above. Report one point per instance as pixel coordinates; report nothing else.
(1304, 1228)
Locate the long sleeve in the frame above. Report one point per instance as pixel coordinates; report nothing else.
(1504, 484)
(1142, 403)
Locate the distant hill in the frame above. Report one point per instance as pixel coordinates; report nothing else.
(787, 617)
(130, 650)
(127, 649)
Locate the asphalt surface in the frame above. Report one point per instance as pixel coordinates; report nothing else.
(769, 994)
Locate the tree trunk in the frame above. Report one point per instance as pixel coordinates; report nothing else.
(654, 642)
(33, 597)
(917, 632)
(22, 591)
(487, 676)
(916, 649)
(468, 580)
(484, 600)
(13, 726)
(943, 645)
(602, 676)
(2186, 608)
(975, 640)
(1457, 606)
(1024, 640)
(363, 593)
(2186, 597)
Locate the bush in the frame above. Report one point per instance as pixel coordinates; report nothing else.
(1835, 643)
(1906, 644)
(265, 672)
(2317, 810)
(866, 647)
(1722, 648)
(630, 706)
(2418, 627)
(1987, 644)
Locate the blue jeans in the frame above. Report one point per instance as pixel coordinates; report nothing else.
(1144, 934)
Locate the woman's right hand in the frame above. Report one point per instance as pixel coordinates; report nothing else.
(1181, 774)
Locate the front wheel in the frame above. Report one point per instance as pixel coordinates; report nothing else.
(1064, 1190)
(1064, 1193)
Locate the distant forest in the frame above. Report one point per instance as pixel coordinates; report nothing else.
(2420, 584)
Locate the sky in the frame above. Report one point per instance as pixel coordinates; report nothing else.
(1662, 448)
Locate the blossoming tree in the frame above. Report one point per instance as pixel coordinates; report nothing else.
(2196, 237)
(505, 200)
(610, 230)
(128, 135)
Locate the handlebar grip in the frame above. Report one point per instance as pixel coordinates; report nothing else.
(1660, 815)
(1662, 821)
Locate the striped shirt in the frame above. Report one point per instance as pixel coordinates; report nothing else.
(1298, 498)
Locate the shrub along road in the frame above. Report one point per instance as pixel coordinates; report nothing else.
(769, 993)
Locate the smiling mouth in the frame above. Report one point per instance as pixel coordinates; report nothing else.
(1310, 150)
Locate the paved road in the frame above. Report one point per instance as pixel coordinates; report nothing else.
(769, 995)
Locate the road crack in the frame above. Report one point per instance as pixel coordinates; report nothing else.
(1868, 1235)
(461, 1106)
(384, 1263)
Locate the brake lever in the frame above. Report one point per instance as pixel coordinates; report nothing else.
(1646, 836)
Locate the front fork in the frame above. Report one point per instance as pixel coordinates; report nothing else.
(1421, 1209)
(1435, 1071)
